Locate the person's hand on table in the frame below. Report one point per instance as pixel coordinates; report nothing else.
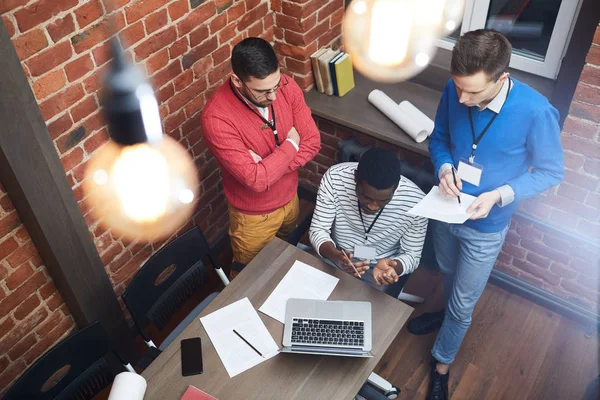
(483, 204)
(384, 272)
(447, 186)
(343, 259)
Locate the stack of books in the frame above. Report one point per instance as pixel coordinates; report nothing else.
(333, 71)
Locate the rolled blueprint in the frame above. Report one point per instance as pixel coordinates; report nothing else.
(128, 386)
(408, 117)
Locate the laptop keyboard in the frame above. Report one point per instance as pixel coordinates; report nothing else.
(328, 332)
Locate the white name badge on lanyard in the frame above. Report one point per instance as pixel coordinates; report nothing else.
(365, 252)
(469, 172)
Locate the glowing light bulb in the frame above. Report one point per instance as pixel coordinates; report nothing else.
(145, 191)
(394, 40)
(386, 37)
(141, 176)
(141, 184)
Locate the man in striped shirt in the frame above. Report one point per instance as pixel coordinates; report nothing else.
(365, 204)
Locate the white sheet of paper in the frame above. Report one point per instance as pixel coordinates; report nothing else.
(235, 354)
(469, 173)
(365, 252)
(436, 206)
(301, 282)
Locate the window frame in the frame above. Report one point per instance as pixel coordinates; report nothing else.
(475, 16)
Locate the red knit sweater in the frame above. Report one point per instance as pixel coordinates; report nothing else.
(231, 129)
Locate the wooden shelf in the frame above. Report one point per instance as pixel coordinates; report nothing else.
(354, 110)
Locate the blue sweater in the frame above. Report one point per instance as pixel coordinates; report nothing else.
(521, 148)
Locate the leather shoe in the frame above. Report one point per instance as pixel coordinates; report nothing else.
(438, 385)
(426, 323)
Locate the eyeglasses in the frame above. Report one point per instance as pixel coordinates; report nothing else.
(283, 81)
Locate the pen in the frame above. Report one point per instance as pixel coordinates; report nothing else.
(353, 267)
(454, 177)
(248, 343)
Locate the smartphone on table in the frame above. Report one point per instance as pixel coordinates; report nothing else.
(191, 356)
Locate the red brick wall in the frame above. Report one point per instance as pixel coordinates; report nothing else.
(184, 46)
(566, 265)
(302, 27)
(33, 315)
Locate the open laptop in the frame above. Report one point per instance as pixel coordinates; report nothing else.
(335, 328)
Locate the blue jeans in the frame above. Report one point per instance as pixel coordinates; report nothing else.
(466, 258)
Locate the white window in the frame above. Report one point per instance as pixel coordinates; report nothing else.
(539, 30)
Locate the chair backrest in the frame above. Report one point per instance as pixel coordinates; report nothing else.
(153, 296)
(419, 176)
(87, 355)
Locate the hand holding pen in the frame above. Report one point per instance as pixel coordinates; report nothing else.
(454, 179)
(351, 264)
(450, 183)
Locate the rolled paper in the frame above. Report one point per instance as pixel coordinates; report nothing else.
(408, 117)
(128, 386)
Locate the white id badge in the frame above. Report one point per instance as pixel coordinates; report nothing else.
(365, 252)
(469, 172)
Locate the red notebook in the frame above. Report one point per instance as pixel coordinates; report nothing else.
(193, 393)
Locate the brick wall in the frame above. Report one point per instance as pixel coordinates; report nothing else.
(184, 46)
(33, 315)
(566, 264)
(301, 28)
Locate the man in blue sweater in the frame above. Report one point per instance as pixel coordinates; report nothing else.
(499, 140)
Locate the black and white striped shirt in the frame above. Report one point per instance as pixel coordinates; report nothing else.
(395, 234)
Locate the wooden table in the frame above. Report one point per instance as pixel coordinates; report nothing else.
(354, 111)
(286, 376)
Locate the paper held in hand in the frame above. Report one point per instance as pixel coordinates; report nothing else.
(408, 117)
(446, 209)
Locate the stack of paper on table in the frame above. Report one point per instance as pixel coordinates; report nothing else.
(235, 354)
(439, 207)
(301, 282)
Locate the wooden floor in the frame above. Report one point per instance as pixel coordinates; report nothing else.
(514, 349)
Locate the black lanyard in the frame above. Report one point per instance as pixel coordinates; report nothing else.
(272, 125)
(372, 223)
(478, 139)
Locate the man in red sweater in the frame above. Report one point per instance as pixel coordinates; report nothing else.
(261, 131)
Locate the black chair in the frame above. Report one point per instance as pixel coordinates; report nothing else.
(166, 281)
(90, 362)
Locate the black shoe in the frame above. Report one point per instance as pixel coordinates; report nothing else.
(438, 385)
(426, 323)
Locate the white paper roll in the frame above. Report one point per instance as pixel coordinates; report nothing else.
(128, 386)
(408, 117)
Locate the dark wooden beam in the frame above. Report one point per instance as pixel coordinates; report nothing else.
(574, 60)
(34, 178)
